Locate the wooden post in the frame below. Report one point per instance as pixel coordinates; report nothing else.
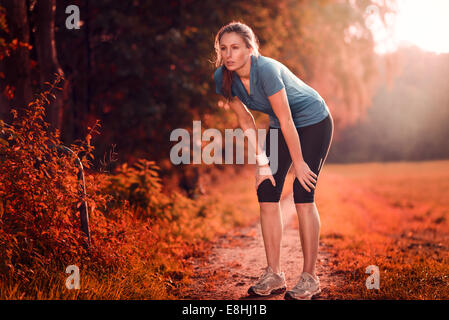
(83, 209)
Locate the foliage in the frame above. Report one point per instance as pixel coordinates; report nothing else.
(142, 239)
(7, 46)
(40, 193)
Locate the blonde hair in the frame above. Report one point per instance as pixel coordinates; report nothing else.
(250, 40)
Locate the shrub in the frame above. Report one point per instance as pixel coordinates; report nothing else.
(142, 239)
(39, 193)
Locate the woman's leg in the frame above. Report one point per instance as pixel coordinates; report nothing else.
(315, 143)
(271, 225)
(309, 229)
(269, 196)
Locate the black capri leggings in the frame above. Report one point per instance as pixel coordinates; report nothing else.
(315, 143)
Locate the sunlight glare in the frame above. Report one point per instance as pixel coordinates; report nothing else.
(421, 23)
(424, 23)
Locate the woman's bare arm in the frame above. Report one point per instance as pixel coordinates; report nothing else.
(279, 103)
(246, 121)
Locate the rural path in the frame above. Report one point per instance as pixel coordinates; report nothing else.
(237, 260)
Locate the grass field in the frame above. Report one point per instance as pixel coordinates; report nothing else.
(391, 215)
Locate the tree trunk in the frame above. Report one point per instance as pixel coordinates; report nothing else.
(17, 66)
(47, 58)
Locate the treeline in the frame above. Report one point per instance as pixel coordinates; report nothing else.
(143, 68)
(408, 120)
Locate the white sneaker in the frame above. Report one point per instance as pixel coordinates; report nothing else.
(305, 289)
(268, 283)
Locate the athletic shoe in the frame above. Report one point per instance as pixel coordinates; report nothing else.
(305, 289)
(268, 283)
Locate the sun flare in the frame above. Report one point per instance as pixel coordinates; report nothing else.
(421, 23)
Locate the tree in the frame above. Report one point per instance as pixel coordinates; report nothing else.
(15, 65)
(48, 57)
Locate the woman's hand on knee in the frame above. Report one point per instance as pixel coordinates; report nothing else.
(305, 176)
(262, 173)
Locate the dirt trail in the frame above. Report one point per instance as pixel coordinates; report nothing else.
(237, 260)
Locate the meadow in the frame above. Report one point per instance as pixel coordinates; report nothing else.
(392, 215)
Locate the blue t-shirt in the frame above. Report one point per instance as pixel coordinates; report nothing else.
(268, 76)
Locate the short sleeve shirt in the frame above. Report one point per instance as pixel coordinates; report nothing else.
(267, 77)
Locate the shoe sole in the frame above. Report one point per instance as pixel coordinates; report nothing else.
(288, 296)
(275, 291)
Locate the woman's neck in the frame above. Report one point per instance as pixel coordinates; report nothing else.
(244, 71)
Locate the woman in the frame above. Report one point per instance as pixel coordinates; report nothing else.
(249, 80)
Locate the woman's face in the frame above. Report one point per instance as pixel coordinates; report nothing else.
(233, 50)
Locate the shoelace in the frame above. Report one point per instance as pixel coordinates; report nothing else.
(303, 283)
(264, 276)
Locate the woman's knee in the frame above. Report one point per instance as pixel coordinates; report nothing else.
(266, 192)
(301, 195)
(269, 208)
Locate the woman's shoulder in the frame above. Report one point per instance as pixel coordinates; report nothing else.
(268, 64)
(218, 78)
(218, 74)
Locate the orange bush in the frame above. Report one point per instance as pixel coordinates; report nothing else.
(40, 195)
(142, 239)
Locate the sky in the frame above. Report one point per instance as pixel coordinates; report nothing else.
(418, 22)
